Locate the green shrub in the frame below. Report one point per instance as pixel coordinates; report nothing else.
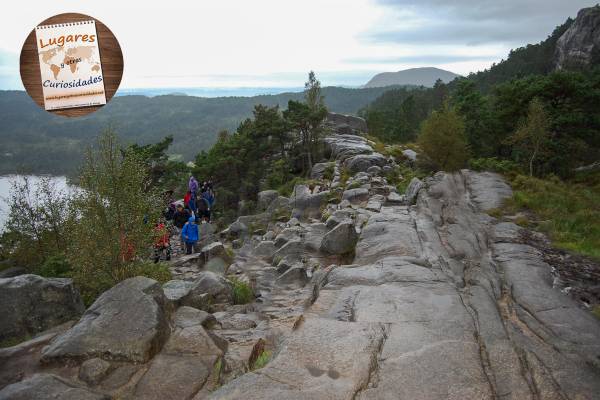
(262, 360)
(494, 164)
(329, 172)
(242, 292)
(55, 266)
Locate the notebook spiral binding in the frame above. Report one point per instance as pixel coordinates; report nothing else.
(65, 24)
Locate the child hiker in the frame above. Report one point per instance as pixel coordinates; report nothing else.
(190, 235)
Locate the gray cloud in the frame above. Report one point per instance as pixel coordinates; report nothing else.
(476, 22)
(417, 59)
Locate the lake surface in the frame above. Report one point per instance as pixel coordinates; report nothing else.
(6, 184)
(209, 91)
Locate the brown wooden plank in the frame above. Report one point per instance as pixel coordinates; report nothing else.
(111, 58)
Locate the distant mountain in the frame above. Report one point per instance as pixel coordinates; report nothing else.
(34, 141)
(414, 76)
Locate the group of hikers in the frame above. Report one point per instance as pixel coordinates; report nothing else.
(183, 217)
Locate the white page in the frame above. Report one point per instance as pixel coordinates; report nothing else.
(70, 65)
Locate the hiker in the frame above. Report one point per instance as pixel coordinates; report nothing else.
(162, 243)
(190, 235)
(193, 185)
(209, 198)
(203, 208)
(180, 217)
(190, 202)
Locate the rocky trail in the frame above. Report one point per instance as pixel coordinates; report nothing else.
(361, 293)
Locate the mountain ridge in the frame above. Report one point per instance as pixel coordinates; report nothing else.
(423, 76)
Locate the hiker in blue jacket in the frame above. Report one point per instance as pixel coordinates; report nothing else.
(190, 235)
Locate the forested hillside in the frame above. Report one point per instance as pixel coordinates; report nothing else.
(494, 105)
(32, 140)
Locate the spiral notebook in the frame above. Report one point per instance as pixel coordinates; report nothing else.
(70, 65)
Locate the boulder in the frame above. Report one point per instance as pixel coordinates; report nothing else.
(265, 198)
(362, 162)
(280, 207)
(286, 235)
(208, 289)
(356, 196)
(340, 240)
(189, 316)
(128, 322)
(355, 123)
(212, 250)
(235, 230)
(394, 199)
(30, 304)
(12, 272)
(265, 249)
(182, 367)
(48, 387)
(341, 147)
(295, 274)
(306, 204)
(177, 289)
(93, 371)
(411, 155)
(412, 191)
(374, 170)
(318, 170)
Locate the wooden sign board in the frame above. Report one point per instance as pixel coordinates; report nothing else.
(111, 58)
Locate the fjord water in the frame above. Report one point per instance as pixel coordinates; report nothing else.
(6, 184)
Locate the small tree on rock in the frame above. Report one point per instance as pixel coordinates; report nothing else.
(533, 135)
(442, 139)
(114, 231)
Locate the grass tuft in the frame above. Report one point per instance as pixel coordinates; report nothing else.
(242, 292)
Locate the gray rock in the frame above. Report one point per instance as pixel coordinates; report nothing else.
(30, 304)
(208, 289)
(374, 170)
(182, 368)
(340, 240)
(279, 207)
(212, 250)
(411, 155)
(307, 205)
(237, 322)
(48, 387)
(12, 272)
(488, 189)
(375, 203)
(286, 235)
(293, 248)
(237, 243)
(318, 170)
(235, 230)
(287, 262)
(92, 371)
(579, 46)
(356, 123)
(412, 191)
(362, 162)
(356, 196)
(177, 289)
(294, 275)
(265, 198)
(270, 235)
(185, 317)
(265, 249)
(394, 199)
(343, 146)
(128, 322)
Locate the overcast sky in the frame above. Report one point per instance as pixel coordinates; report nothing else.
(233, 43)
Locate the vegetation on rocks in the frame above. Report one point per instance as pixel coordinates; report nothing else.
(242, 292)
(568, 211)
